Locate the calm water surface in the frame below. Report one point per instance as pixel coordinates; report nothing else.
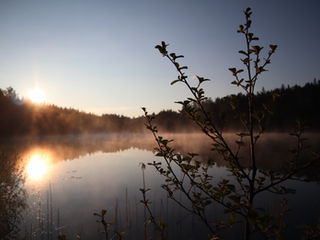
(67, 179)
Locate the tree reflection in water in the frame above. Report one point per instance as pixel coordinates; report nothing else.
(12, 195)
(39, 157)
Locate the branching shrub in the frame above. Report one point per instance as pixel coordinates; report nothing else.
(237, 194)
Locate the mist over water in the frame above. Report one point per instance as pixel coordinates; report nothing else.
(68, 178)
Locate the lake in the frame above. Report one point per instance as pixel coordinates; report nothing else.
(67, 179)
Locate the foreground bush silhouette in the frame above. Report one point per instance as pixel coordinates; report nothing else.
(237, 194)
(12, 195)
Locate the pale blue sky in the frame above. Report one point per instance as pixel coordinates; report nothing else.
(99, 56)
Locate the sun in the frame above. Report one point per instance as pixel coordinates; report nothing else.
(37, 96)
(37, 166)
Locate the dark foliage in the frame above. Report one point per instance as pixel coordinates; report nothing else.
(12, 194)
(286, 105)
(20, 117)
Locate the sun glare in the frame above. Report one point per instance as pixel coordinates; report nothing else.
(37, 166)
(37, 96)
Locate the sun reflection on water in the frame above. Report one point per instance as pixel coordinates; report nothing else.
(37, 166)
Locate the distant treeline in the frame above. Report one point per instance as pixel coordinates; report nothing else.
(282, 107)
(22, 117)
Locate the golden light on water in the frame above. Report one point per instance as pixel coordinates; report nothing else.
(37, 96)
(37, 166)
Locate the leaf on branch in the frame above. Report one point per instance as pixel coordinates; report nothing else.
(159, 154)
(248, 24)
(103, 212)
(245, 60)
(164, 45)
(201, 79)
(192, 155)
(173, 55)
(247, 12)
(175, 81)
(240, 29)
(184, 67)
(194, 89)
(192, 100)
(273, 48)
(162, 48)
(233, 70)
(234, 82)
(184, 103)
(187, 167)
(257, 49)
(261, 69)
(243, 52)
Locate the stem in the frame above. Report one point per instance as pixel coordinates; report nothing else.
(209, 120)
(178, 182)
(247, 230)
(250, 95)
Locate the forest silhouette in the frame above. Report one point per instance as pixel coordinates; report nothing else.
(286, 105)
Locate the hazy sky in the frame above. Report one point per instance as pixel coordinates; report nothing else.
(99, 56)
